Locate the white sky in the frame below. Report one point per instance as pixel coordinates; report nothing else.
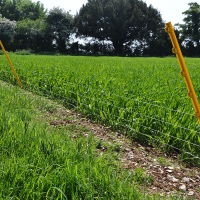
(171, 10)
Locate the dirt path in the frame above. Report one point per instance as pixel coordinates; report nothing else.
(169, 175)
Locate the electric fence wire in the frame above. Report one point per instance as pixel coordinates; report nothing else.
(171, 92)
(135, 131)
(153, 104)
(144, 116)
(142, 100)
(157, 92)
(152, 130)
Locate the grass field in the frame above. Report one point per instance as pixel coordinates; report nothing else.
(144, 98)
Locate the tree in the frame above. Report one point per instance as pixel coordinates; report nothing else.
(32, 34)
(29, 23)
(7, 31)
(161, 45)
(190, 30)
(59, 26)
(21, 9)
(121, 21)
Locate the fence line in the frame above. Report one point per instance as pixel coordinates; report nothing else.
(151, 104)
(134, 119)
(155, 139)
(194, 156)
(143, 102)
(142, 115)
(131, 99)
(148, 117)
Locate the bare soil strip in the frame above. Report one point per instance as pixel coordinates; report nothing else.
(169, 175)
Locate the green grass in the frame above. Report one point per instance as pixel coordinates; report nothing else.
(38, 161)
(145, 98)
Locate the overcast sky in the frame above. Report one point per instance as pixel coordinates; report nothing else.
(171, 10)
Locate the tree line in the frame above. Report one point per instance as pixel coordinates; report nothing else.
(101, 27)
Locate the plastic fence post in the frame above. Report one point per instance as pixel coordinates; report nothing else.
(184, 71)
(11, 65)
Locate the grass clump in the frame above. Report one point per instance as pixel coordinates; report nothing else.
(142, 178)
(164, 161)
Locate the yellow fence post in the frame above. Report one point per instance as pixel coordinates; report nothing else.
(184, 71)
(11, 65)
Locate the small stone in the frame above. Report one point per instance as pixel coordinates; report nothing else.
(161, 171)
(185, 180)
(190, 193)
(127, 149)
(192, 180)
(171, 168)
(169, 171)
(172, 178)
(183, 188)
